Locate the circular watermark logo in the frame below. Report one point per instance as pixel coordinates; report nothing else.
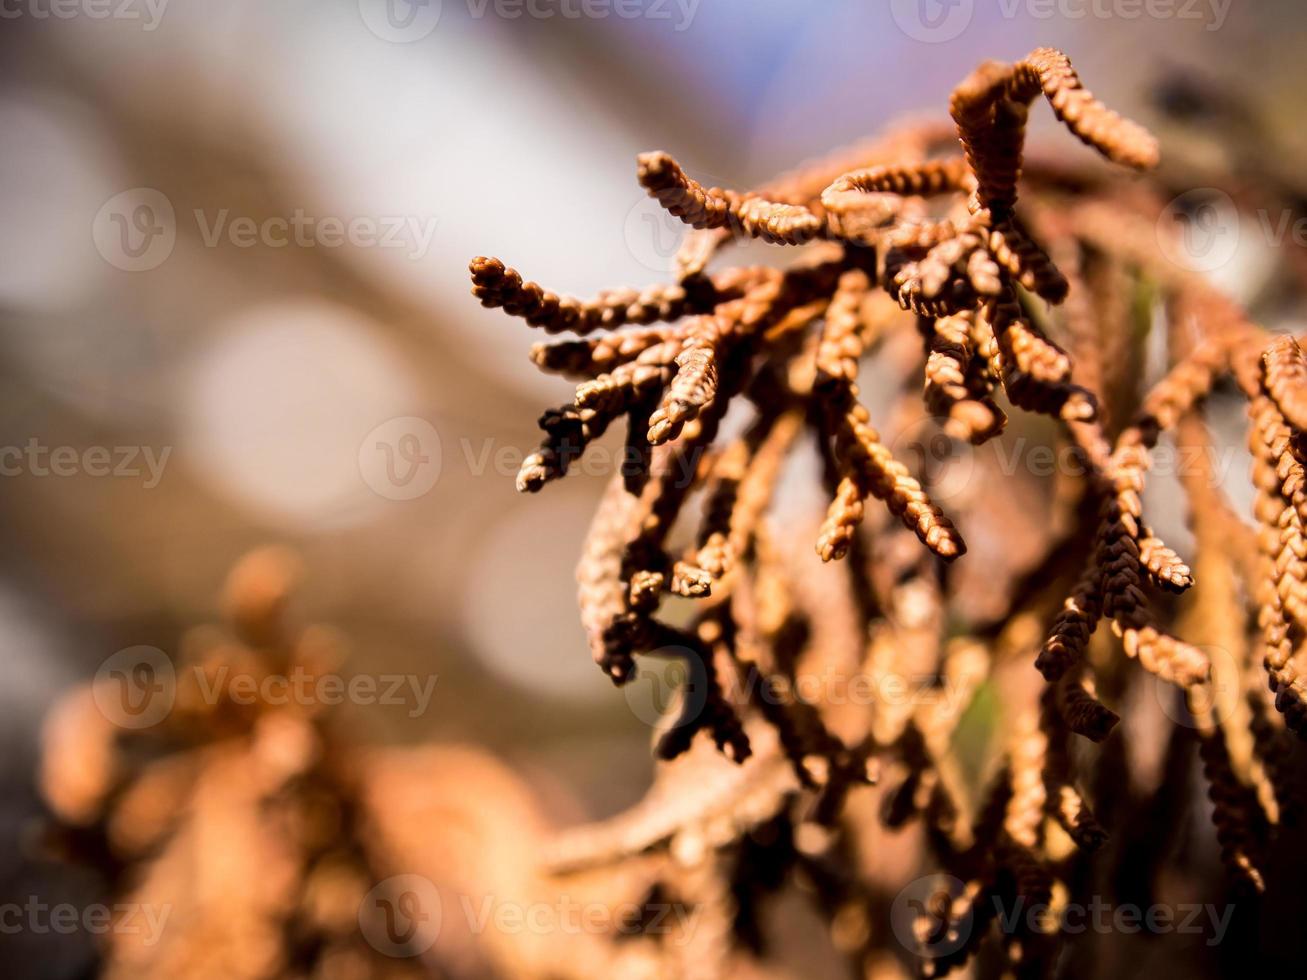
(921, 916)
(653, 236)
(400, 21)
(401, 459)
(401, 916)
(1217, 699)
(944, 465)
(136, 230)
(932, 21)
(136, 687)
(670, 679)
(1199, 230)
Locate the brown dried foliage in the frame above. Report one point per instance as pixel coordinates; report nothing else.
(998, 292)
(944, 239)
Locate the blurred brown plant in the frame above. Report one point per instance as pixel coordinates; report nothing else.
(265, 840)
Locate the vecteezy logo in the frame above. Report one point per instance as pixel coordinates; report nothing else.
(669, 679)
(1199, 230)
(932, 21)
(401, 21)
(653, 236)
(1213, 701)
(401, 916)
(944, 464)
(136, 230)
(922, 916)
(401, 459)
(136, 687)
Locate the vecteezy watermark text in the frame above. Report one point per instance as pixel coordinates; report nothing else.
(137, 687)
(937, 21)
(124, 462)
(403, 458)
(1099, 916)
(303, 230)
(682, 683)
(65, 919)
(934, 916)
(405, 21)
(136, 230)
(307, 689)
(1210, 13)
(403, 915)
(683, 10)
(148, 12)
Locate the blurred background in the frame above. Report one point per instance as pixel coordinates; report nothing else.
(233, 249)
